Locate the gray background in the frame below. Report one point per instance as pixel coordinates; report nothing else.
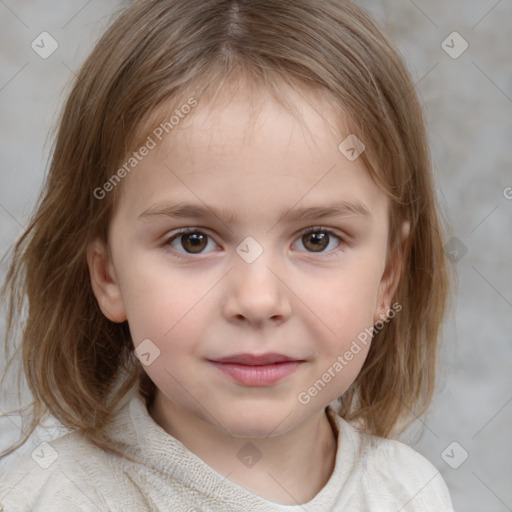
(468, 101)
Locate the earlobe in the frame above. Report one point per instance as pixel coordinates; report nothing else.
(104, 282)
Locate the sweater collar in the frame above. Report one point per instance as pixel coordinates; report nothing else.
(147, 443)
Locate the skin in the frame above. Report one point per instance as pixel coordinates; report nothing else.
(291, 299)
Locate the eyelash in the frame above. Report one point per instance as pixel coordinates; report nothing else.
(319, 229)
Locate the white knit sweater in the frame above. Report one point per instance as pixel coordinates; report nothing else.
(71, 475)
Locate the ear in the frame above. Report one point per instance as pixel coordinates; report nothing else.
(104, 282)
(391, 276)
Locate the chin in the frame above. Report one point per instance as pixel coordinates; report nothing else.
(252, 422)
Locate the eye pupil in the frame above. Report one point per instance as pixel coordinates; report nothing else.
(197, 240)
(321, 241)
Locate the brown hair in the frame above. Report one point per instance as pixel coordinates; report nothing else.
(157, 53)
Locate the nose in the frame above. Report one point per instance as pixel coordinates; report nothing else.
(256, 293)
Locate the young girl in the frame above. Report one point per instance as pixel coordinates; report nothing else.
(235, 274)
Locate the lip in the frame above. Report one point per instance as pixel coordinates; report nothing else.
(257, 370)
(256, 359)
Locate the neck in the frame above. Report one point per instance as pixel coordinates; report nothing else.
(271, 467)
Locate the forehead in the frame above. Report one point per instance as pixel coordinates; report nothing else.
(246, 148)
(248, 96)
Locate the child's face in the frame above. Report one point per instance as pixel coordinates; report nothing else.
(213, 297)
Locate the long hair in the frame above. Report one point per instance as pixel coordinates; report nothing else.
(77, 363)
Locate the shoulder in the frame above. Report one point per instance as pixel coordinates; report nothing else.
(388, 475)
(391, 466)
(57, 475)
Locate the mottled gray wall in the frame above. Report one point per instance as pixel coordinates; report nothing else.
(468, 101)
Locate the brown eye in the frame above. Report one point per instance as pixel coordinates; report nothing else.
(194, 242)
(315, 242)
(321, 241)
(189, 242)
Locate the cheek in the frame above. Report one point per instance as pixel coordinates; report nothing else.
(171, 320)
(176, 330)
(160, 301)
(344, 301)
(151, 274)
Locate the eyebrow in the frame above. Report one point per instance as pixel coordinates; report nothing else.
(196, 211)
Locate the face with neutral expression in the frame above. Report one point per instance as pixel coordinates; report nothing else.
(247, 253)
